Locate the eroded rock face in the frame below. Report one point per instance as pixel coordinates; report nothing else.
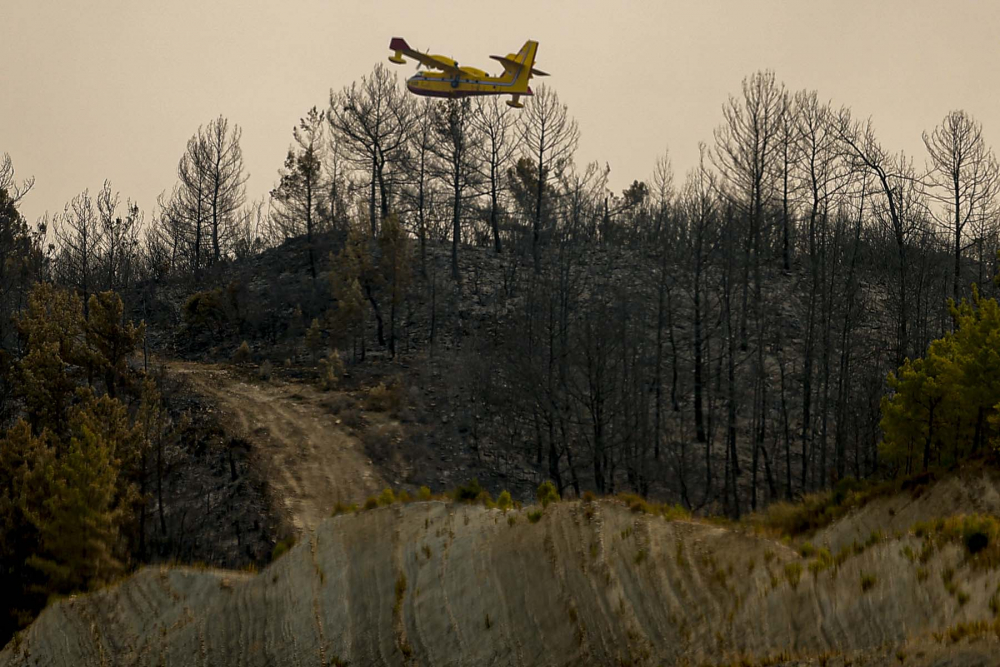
(445, 584)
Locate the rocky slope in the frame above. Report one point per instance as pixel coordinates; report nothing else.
(436, 583)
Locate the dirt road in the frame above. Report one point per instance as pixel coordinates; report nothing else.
(315, 462)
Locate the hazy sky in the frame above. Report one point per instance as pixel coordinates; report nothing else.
(95, 89)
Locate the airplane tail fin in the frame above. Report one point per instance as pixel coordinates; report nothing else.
(519, 67)
(526, 56)
(398, 45)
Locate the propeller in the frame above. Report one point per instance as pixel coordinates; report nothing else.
(427, 52)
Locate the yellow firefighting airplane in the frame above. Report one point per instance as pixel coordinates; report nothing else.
(446, 79)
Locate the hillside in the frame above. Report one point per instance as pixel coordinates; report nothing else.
(438, 583)
(471, 372)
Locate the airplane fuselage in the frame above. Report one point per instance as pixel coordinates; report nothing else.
(440, 84)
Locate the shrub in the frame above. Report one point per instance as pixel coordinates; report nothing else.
(424, 493)
(793, 572)
(314, 338)
(371, 503)
(387, 497)
(484, 498)
(534, 516)
(468, 492)
(845, 552)
(976, 541)
(205, 310)
(676, 513)
(404, 497)
(265, 370)
(635, 502)
(331, 367)
(341, 508)
(242, 354)
(589, 497)
(385, 398)
(547, 493)
(867, 582)
(948, 579)
(807, 550)
(282, 547)
(794, 519)
(824, 560)
(503, 500)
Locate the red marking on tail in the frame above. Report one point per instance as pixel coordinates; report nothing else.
(398, 44)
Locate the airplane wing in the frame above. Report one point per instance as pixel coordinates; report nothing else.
(401, 48)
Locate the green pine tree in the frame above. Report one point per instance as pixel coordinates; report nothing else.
(78, 521)
(945, 405)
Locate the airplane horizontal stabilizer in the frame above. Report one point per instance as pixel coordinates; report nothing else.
(509, 66)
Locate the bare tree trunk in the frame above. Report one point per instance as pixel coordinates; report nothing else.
(785, 430)
(456, 221)
(658, 368)
(699, 413)
(495, 208)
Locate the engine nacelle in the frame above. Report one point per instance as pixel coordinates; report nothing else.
(447, 61)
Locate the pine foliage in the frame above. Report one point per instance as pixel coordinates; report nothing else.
(946, 405)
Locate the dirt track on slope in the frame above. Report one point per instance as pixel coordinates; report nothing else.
(313, 461)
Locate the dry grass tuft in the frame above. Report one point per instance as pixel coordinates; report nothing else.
(793, 573)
